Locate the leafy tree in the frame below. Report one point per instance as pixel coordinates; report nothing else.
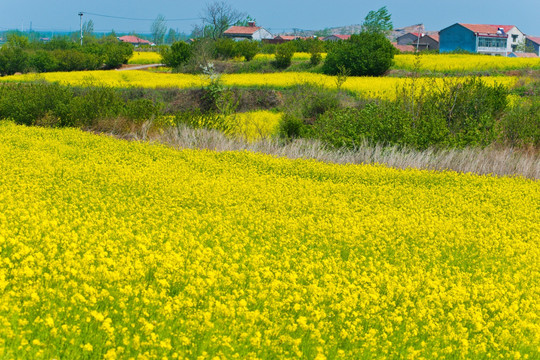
(378, 21)
(171, 36)
(178, 54)
(158, 30)
(365, 54)
(88, 29)
(218, 17)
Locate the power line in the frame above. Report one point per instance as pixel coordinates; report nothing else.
(135, 19)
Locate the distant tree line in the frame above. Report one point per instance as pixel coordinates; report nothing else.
(19, 54)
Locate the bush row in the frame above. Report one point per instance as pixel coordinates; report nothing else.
(19, 56)
(37, 103)
(469, 113)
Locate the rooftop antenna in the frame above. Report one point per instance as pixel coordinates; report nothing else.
(81, 15)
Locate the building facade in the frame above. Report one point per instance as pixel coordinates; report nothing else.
(483, 39)
(534, 42)
(420, 41)
(250, 32)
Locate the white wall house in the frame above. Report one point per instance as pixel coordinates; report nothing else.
(250, 32)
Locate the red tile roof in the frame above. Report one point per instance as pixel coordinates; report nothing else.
(487, 29)
(342, 37)
(242, 30)
(434, 37)
(287, 37)
(133, 40)
(534, 39)
(525, 55)
(404, 48)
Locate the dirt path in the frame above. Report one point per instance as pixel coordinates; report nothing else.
(138, 67)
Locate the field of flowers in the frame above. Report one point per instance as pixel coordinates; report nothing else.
(145, 57)
(113, 249)
(463, 63)
(377, 87)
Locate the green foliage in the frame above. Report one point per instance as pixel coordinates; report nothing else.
(284, 54)
(315, 48)
(178, 54)
(366, 54)
(457, 115)
(379, 21)
(158, 30)
(29, 104)
(43, 61)
(520, 127)
(248, 49)
(62, 55)
(13, 60)
(291, 127)
(225, 48)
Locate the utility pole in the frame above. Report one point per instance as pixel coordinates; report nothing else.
(81, 15)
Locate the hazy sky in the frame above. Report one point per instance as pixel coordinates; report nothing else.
(275, 15)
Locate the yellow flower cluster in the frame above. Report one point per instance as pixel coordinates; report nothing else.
(113, 249)
(378, 87)
(460, 62)
(298, 56)
(255, 125)
(145, 57)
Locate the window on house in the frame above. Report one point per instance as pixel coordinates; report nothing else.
(491, 42)
(514, 38)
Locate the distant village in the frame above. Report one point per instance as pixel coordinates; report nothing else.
(500, 40)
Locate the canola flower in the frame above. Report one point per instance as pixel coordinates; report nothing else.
(297, 56)
(113, 249)
(250, 126)
(145, 57)
(255, 125)
(371, 87)
(460, 62)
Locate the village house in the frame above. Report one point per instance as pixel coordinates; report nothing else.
(337, 37)
(137, 41)
(250, 32)
(483, 39)
(420, 41)
(534, 42)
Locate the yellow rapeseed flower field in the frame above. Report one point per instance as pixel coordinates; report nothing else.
(378, 87)
(464, 63)
(113, 249)
(145, 57)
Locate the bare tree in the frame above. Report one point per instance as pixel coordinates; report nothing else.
(158, 29)
(218, 16)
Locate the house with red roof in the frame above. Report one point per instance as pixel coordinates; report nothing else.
(420, 41)
(533, 42)
(480, 38)
(250, 32)
(337, 37)
(404, 48)
(137, 41)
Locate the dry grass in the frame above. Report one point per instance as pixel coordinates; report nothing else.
(488, 161)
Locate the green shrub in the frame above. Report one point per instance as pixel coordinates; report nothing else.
(43, 61)
(27, 103)
(225, 48)
(520, 127)
(284, 54)
(178, 54)
(291, 127)
(366, 54)
(247, 49)
(13, 60)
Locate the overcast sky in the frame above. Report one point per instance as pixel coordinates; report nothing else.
(275, 15)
